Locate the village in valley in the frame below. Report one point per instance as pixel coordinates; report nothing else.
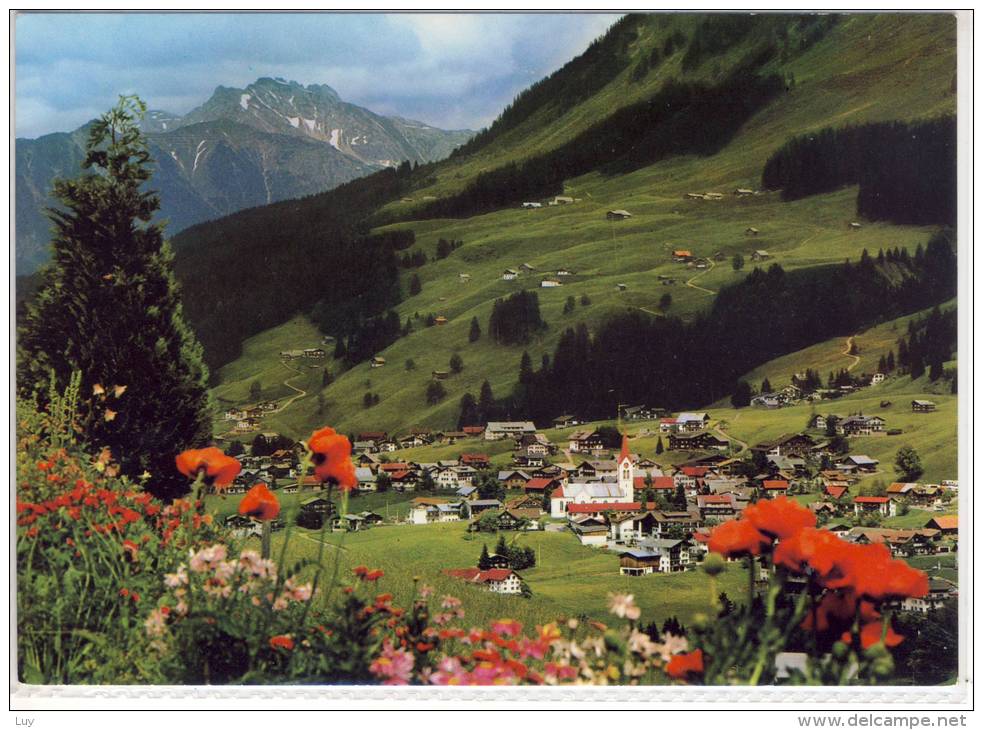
(644, 489)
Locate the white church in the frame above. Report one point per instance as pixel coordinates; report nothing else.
(602, 490)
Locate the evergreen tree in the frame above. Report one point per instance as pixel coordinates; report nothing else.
(659, 448)
(484, 561)
(569, 305)
(367, 400)
(584, 300)
(737, 262)
(890, 361)
(741, 396)
(426, 484)
(502, 548)
(415, 286)
(665, 301)
(679, 499)
(382, 482)
(320, 403)
(474, 334)
(469, 411)
(410, 364)
(236, 448)
(525, 369)
(456, 363)
(326, 378)
(435, 392)
(766, 386)
(339, 348)
(108, 307)
(908, 464)
(255, 390)
(486, 403)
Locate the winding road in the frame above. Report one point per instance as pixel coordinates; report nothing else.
(724, 435)
(846, 353)
(300, 393)
(691, 285)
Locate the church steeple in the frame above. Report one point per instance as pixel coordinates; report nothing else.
(626, 471)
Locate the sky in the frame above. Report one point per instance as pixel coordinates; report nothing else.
(453, 71)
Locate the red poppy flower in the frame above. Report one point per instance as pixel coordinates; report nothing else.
(683, 664)
(332, 455)
(218, 469)
(809, 548)
(780, 517)
(737, 537)
(360, 570)
(374, 575)
(870, 634)
(837, 610)
(282, 642)
(261, 503)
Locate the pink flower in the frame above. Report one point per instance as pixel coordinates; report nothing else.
(506, 627)
(393, 666)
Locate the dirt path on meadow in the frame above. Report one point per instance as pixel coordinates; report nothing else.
(846, 353)
(690, 281)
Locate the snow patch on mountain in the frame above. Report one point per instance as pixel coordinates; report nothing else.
(198, 151)
(294, 122)
(309, 123)
(335, 136)
(244, 101)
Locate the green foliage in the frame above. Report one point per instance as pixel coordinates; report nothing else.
(907, 464)
(474, 332)
(741, 396)
(415, 286)
(456, 363)
(435, 392)
(515, 319)
(108, 307)
(737, 262)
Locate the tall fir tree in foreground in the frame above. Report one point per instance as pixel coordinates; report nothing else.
(109, 308)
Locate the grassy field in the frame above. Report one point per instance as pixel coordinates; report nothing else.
(842, 80)
(568, 580)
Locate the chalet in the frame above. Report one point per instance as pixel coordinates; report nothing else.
(291, 354)
(877, 378)
(477, 506)
(513, 479)
(477, 461)
(939, 591)
(860, 425)
(741, 192)
(899, 542)
(497, 561)
(947, 524)
(464, 278)
(371, 518)
(818, 422)
(901, 489)
(622, 287)
(694, 196)
(861, 462)
(836, 493)
(682, 255)
(751, 231)
(798, 444)
(866, 505)
(532, 205)
(496, 580)
(666, 520)
(519, 519)
(510, 274)
(922, 406)
(469, 493)
(317, 505)
(526, 501)
(561, 200)
(377, 362)
(585, 441)
(617, 215)
(775, 487)
(315, 352)
(640, 413)
(473, 431)
(640, 562)
(550, 283)
(366, 479)
(403, 481)
(565, 421)
(439, 375)
(411, 441)
(695, 441)
(674, 554)
(541, 486)
(854, 225)
(693, 421)
(590, 530)
(716, 506)
(387, 446)
(668, 425)
(713, 196)
(564, 272)
(496, 430)
(760, 255)
(440, 320)
(527, 267)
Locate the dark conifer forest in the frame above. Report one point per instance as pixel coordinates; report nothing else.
(906, 172)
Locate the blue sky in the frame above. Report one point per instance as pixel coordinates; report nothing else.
(450, 70)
